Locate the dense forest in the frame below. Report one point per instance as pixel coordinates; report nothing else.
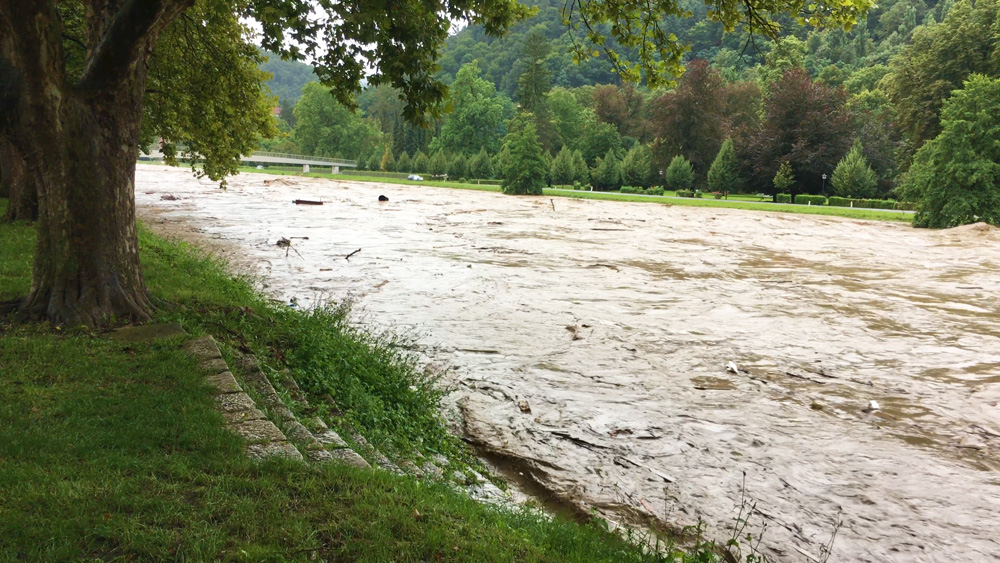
(871, 113)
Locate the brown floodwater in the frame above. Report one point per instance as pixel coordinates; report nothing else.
(613, 323)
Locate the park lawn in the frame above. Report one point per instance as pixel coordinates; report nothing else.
(114, 451)
(748, 202)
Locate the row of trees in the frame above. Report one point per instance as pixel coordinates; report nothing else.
(860, 125)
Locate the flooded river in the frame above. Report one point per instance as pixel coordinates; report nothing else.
(587, 343)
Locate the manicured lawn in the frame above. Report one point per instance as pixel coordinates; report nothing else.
(748, 202)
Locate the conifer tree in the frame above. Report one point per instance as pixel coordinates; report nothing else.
(637, 165)
(680, 174)
(853, 177)
(606, 175)
(421, 164)
(724, 174)
(784, 179)
(525, 169)
(563, 171)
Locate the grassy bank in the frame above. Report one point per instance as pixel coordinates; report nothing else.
(735, 202)
(114, 451)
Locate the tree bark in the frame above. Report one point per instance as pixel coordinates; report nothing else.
(16, 184)
(80, 143)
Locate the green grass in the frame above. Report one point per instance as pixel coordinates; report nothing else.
(113, 451)
(854, 213)
(751, 203)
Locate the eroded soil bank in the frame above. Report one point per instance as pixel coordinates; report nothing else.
(588, 342)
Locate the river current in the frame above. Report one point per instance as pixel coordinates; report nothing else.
(586, 343)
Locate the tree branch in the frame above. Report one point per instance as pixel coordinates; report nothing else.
(134, 27)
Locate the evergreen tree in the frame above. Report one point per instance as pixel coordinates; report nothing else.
(606, 175)
(387, 163)
(581, 170)
(679, 174)
(636, 167)
(481, 166)
(404, 163)
(438, 164)
(955, 177)
(500, 160)
(525, 169)
(536, 78)
(458, 168)
(853, 177)
(375, 160)
(724, 174)
(563, 171)
(421, 164)
(784, 179)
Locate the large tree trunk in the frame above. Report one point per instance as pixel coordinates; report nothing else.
(87, 257)
(80, 142)
(16, 184)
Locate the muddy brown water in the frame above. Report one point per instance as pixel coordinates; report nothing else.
(613, 323)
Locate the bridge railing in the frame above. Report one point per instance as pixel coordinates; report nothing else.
(343, 161)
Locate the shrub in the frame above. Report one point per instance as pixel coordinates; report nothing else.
(870, 203)
(784, 198)
(804, 199)
(654, 191)
(631, 190)
(688, 193)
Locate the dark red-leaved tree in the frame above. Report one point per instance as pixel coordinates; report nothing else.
(806, 124)
(690, 121)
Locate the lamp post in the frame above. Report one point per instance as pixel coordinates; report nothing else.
(824, 185)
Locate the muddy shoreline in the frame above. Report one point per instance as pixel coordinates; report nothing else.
(590, 341)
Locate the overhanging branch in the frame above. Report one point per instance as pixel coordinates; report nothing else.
(134, 26)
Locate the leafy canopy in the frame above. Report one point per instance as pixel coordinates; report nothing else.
(479, 119)
(955, 177)
(345, 40)
(325, 127)
(640, 26)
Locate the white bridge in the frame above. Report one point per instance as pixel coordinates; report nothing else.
(276, 158)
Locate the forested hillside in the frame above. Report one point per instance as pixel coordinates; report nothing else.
(828, 112)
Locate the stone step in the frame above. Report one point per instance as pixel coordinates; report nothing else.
(330, 448)
(262, 437)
